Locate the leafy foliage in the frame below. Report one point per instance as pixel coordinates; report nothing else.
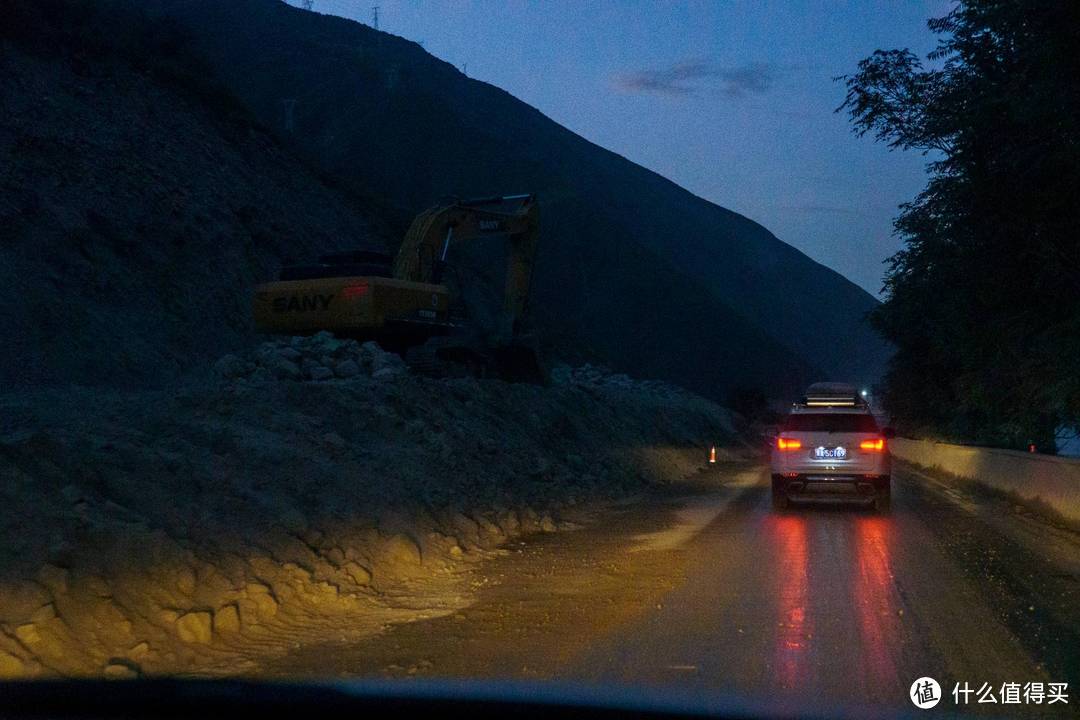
(983, 301)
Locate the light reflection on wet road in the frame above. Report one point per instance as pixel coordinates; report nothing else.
(830, 604)
(787, 536)
(820, 605)
(874, 597)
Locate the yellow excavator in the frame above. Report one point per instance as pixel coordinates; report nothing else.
(403, 303)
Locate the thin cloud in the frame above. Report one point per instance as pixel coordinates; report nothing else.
(693, 76)
(823, 209)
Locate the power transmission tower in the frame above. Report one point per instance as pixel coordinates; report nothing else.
(289, 106)
(375, 17)
(306, 4)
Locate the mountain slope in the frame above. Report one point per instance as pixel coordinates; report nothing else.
(137, 209)
(381, 112)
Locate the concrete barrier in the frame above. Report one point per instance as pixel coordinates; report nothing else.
(1054, 481)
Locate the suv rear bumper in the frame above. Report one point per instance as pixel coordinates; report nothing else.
(831, 486)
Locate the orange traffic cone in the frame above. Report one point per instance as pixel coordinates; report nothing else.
(712, 454)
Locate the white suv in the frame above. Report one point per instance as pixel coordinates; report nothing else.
(831, 447)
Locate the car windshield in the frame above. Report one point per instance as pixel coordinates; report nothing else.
(686, 355)
(830, 422)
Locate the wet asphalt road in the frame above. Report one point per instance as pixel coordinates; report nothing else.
(815, 607)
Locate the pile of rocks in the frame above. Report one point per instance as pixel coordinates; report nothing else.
(601, 377)
(319, 357)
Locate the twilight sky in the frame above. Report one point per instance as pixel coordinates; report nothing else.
(731, 100)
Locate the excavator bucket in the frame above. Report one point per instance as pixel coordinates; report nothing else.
(518, 363)
(464, 357)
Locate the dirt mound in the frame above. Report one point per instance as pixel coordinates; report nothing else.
(206, 528)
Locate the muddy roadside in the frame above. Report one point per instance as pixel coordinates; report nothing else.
(207, 528)
(545, 599)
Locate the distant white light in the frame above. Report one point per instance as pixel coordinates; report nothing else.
(863, 393)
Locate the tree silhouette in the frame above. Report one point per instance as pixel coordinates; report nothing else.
(983, 301)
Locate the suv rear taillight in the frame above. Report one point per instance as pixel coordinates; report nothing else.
(875, 445)
(788, 444)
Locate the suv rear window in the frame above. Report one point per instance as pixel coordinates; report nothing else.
(830, 422)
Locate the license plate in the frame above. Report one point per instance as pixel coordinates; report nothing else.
(824, 453)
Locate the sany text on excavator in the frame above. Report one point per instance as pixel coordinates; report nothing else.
(404, 304)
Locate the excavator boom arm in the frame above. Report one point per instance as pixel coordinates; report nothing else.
(424, 249)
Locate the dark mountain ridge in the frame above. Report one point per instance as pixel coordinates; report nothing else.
(156, 205)
(380, 111)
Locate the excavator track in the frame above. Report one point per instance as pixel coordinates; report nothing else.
(444, 358)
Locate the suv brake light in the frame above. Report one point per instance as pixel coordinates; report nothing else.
(788, 444)
(875, 445)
